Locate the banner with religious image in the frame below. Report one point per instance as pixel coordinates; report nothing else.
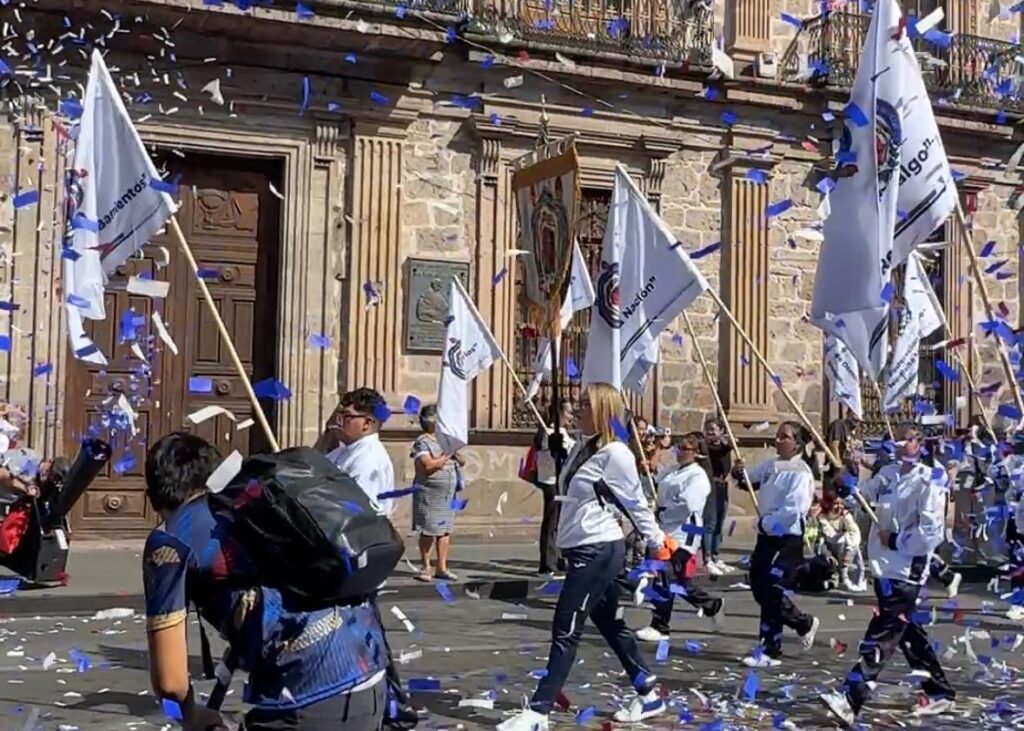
(547, 200)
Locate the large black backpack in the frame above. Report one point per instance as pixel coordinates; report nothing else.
(310, 530)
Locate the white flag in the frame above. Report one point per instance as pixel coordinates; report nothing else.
(843, 375)
(118, 209)
(920, 317)
(890, 138)
(579, 297)
(469, 349)
(646, 280)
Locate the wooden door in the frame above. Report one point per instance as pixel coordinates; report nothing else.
(230, 218)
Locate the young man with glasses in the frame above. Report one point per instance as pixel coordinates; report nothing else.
(360, 453)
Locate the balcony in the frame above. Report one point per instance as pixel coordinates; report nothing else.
(974, 73)
(670, 32)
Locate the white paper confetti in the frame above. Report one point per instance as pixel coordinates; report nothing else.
(208, 412)
(225, 472)
(213, 89)
(148, 287)
(161, 330)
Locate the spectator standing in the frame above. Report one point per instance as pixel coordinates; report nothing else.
(433, 513)
(717, 507)
(360, 453)
(844, 435)
(550, 558)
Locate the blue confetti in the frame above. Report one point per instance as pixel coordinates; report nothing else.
(661, 655)
(793, 21)
(70, 108)
(825, 185)
(728, 119)
(709, 249)
(171, 709)
(750, 686)
(887, 293)
(619, 429)
(271, 388)
(445, 592)
(499, 276)
(777, 209)
(424, 684)
(26, 199)
(946, 371)
(304, 12)
(571, 368)
(317, 340)
(855, 114)
(757, 176)
(163, 186)
(80, 302)
(392, 494)
(381, 412)
(411, 405)
(377, 98)
(200, 384)
(124, 464)
(1009, 411)
(585, 715)
(306, 92)
(70, 254)
(80, 222)
(43, 369)
(987, 249)
(458, 505)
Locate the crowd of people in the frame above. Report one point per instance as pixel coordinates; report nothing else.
(330, 666)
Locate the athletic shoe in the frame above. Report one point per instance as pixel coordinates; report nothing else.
(760, 660)
(713, 569)
(719, 617)
(642, 708)
(649, 634)
(402, 717)
(1015, 613)
(933, 706)
(807, 640)
(851, 586)
(526, 720)
(839, 706)
(954, 586)
(724, 567)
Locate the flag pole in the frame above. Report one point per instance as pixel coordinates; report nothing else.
(789, 399)
(881, 408)
(967, 242)
(225, 335)
(719, 407)
(504, 358)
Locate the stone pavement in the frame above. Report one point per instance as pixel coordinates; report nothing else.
(90, 673)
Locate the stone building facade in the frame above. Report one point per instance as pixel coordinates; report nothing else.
(354, 138)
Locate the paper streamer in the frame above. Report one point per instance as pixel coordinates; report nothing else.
(225, 472)
(148, 287)
(208, 412)
(161, 330)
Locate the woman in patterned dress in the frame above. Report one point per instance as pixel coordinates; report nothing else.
(432, 512)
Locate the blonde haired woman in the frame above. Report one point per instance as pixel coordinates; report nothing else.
(599, 483)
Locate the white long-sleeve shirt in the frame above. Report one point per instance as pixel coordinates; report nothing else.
(682, 494)
(784, 496)
(367, 462)
(912, 509)
(586, 519)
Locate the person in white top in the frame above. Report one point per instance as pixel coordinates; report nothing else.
(785, 488)
(356, 422)
(682, 495)
(910, 526)
(360, 454)
(599, 483)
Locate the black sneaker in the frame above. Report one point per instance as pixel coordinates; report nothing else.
(401, 717)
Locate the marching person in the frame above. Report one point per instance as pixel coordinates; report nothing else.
(362, 456)
(682, 494)
(785, 487)
(330, 660)
(910, 526)
(717, 508)
(600, 480)
(550, 560)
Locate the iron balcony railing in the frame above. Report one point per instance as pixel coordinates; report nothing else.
(674, 32)
(973, 72)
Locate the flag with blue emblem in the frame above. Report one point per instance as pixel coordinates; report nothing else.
(646, 279)
(893, 187)
(469, 349)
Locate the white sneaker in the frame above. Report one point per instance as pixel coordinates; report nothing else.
(649, 634)
(526, 720)
(839, 706)
(954, 586)
(1015, 613)
(807, 640)
(761, 660)
(724, 567)
(713, 569)
(933, 706)
(851, 586)
(642, 707)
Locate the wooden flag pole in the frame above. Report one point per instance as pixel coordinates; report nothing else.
(881, 408)
(225, 336)
(789, 399)
(720, 408)
(968, 244)
(504, 358)
(639, 443)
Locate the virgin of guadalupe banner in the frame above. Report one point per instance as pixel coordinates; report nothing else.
(545, 186)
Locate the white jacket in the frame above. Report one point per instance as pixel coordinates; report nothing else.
(682, 494)
(784, 495)
(586, 519)
(911, 506)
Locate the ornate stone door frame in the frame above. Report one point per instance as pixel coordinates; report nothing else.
(312, 254)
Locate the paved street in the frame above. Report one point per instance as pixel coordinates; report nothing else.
(87, 673)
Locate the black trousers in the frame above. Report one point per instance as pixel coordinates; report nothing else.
(894, 625)
(591, 589)
(773, 568)
(697, 597)
(549, 556)
(940, 570)
(360, 711)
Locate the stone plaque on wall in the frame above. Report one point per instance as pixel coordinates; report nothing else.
(426, 305)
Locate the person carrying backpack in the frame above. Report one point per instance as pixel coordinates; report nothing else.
(308, 668)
